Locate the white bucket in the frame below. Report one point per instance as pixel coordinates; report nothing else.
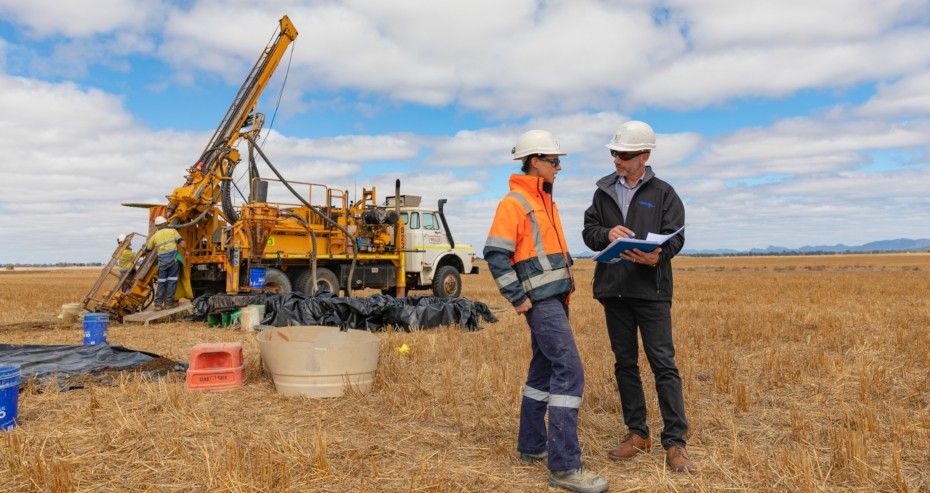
(319, 361)
(251, 317)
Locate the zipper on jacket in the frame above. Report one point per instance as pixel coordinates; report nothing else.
(551, 215)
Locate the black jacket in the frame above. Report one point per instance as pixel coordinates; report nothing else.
(655, 208)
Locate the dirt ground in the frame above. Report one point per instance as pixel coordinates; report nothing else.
(800, 374)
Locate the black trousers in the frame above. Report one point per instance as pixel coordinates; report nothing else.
(653, 319)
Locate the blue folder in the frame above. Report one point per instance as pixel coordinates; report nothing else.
(611, 254)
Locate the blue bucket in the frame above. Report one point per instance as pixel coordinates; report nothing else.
(257, 277)
(95, 328)
(9, 396)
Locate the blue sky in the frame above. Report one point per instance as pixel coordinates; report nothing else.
(777, 124)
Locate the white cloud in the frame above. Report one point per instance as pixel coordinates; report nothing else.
(352, 148)
(81, 19)
(714, 24)
(799, 146)
(906, 97)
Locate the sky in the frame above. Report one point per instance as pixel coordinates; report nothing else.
(785, 123)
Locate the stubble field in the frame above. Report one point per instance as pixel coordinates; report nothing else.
(799, 373)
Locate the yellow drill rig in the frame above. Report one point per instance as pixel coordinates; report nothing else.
(321, 240)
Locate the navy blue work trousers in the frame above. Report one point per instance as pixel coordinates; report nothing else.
(168, 271)
(555, 382)
(654, 321)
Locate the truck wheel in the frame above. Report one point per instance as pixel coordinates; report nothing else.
(277, 281)
(326, 280)
(447, 283)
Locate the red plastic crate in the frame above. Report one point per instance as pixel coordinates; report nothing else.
(216, 366)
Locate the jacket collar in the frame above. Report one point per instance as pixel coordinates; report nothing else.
(607, 183)
(532, 185)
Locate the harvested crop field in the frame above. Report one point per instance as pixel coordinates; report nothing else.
(800, 374)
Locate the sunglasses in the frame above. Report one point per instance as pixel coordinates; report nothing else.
(626, 156)
(554, 161)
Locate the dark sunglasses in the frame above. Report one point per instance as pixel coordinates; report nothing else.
(626, 156)
(554, 161)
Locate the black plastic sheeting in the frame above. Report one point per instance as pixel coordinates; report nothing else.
(373, 313)
(69, 365)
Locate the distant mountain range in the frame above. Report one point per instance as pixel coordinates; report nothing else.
(899, 245)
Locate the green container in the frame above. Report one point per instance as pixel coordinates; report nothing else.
(223, 319)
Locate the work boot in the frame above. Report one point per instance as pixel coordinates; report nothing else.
(578, 480)
(158, 306)
(630, 445)
(533, 458)
(173, 304)
(677, 459)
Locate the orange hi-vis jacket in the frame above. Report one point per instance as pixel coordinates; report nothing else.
(526, 250)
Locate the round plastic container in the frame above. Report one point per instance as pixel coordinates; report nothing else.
(9, 396)
(95, 328)
(71, 312)
(319, 361)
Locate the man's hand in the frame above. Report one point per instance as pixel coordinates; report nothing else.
(620, 232)
(638, 256)
(523, 307)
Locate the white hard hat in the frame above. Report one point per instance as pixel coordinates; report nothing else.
(121, 238)
(536, 142)
(159, 220)
(633, 136)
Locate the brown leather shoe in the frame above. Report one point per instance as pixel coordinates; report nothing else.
(630, 445)
(677, 459)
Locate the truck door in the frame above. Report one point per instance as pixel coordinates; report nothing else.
(414, 241)
(434, 242)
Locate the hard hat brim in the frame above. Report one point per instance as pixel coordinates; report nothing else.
(631, 148)
(546, 152)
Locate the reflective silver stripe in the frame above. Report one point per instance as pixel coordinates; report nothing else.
(172, 279)
(162, 280)
(537, 234)
(535, 394)
(173, 240)
(556, 400)
(545, 278)
(506, 279)
(502, 243)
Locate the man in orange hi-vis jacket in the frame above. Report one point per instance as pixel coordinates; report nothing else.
(528, 257)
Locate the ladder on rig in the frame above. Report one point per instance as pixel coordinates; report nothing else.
(123, 291)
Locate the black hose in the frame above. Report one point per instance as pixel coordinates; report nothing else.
(336, 225)
(226, 194)
(196, 219)
(312, 247)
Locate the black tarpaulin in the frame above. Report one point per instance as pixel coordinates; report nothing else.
(373, 313)
(67, 363)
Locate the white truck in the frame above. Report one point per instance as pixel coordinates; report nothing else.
(433, 259)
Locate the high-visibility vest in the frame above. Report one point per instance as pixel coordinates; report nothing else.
(125, 259)
(164, 240)
(526, 250)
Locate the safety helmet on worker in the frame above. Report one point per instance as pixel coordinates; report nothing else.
(121, 238)
(536, 142)
(633, 136)
(159, 220)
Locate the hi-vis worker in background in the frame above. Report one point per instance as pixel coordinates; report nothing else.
(528, 257)
(637, 295)
(124, 262)
(165, 242)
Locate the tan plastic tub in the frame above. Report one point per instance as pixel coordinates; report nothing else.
(318, 361)
(71, 312)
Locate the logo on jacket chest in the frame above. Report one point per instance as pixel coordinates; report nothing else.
(646, 204)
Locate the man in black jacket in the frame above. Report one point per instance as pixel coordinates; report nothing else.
(632, 202)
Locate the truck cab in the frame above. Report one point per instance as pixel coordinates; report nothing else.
(433, 259)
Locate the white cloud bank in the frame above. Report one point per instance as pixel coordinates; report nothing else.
(71, 154)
